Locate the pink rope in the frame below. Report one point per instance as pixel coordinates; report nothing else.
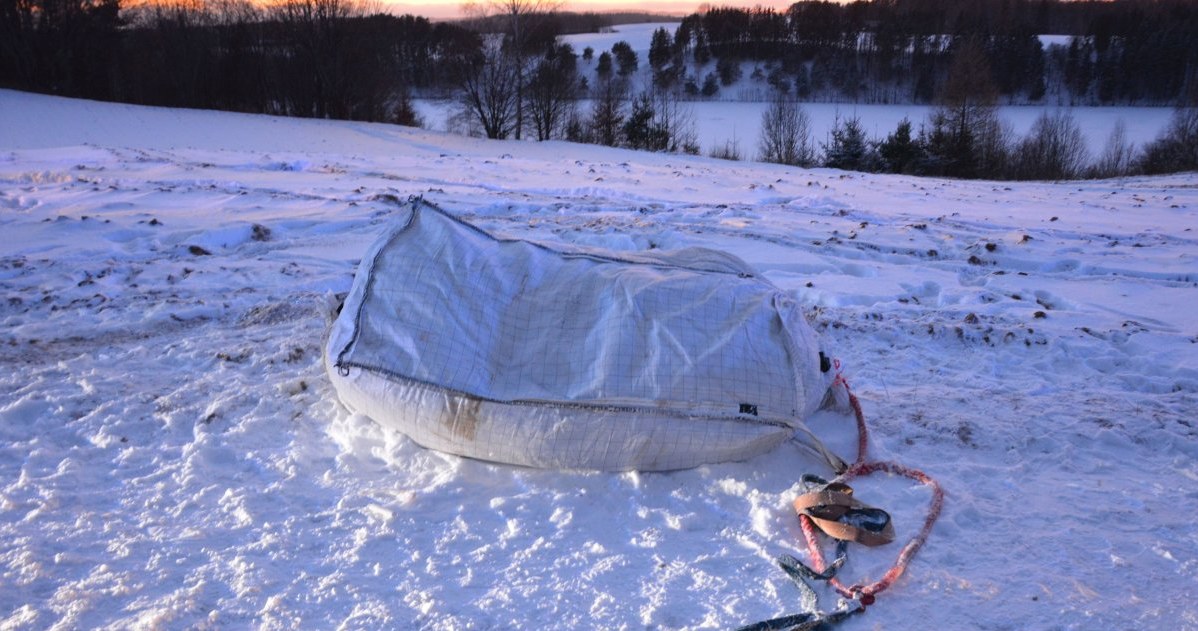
(860, 468)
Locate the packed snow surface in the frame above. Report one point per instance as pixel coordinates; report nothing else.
(172, 455)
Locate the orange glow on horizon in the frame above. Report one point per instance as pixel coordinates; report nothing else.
(440, 9)
(450, 9)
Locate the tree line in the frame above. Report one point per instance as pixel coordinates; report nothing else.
(964, 137)
(899, 51)
(311, 58)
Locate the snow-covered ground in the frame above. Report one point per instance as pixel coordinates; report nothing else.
(733, 117)
(172, 455)
(717, 124)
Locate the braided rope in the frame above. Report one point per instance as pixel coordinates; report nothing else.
(865, 594)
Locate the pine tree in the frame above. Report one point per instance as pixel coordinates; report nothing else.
(848, 148)
(625, 57)
(607, 113)
(966, 138)
(660, 49)
(642, 130)
(603, 69)
(900, 153)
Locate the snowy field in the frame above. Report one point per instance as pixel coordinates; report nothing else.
(733, 117)
(172, 455)
(718, 123)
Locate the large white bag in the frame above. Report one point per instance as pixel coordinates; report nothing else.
(519, 352)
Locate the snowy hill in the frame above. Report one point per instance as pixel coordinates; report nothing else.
(172, 455)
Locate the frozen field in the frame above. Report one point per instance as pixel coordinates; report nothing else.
(719, 122)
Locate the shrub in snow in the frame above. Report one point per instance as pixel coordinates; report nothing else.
(1177, 147)
(1118, 155)
(1054, 149)
(730, 150)
(786, 134)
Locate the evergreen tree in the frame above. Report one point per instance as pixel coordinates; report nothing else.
(848, 147)
(607, 113)
(626, 58)
(965, 137)
(660, 49)
(729, 71)
(603, 69)
(899, 152)
(642, 130)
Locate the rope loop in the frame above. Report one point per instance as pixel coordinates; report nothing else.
(862, 595)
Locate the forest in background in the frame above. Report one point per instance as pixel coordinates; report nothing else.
(899, 51)
(514, 77)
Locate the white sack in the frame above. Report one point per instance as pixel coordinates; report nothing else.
(517, 352)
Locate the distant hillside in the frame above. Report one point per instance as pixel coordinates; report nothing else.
(571, 22)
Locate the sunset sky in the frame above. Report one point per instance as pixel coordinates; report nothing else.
(441, 9)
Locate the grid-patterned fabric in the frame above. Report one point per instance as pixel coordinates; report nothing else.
(516, 352)
(511, 321)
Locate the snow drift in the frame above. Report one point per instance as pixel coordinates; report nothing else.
(513, 351)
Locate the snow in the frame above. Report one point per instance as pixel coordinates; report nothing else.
(733, 116)
(172, 456)
(717, 123)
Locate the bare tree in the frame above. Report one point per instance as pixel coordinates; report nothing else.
(521, 16)
(677, 118)
(1117, 156)
(786, 134)
(319, 30)
(60, 46)
(552, 90)
(488, 83)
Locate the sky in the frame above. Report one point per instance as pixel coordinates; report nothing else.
(439, 9)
